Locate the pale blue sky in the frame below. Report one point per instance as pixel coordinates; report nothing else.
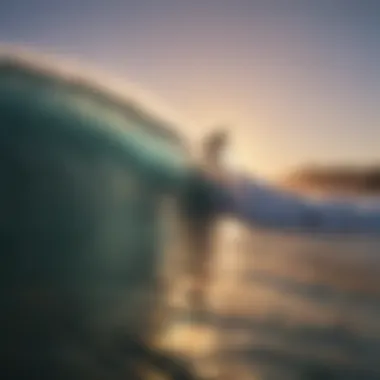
(297, 80)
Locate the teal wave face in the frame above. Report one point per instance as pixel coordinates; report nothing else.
(82, 178)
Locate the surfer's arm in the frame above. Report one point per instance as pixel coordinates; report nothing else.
(261, 205)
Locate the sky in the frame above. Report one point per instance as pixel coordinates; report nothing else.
(296, 82)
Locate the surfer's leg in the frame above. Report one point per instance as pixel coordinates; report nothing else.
(200, 260)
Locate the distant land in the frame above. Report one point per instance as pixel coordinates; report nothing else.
(335, 179)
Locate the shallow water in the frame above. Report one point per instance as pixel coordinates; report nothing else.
(287, 306)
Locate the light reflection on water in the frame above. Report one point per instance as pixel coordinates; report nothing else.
(288, 306)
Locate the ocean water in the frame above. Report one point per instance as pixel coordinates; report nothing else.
(288, 306)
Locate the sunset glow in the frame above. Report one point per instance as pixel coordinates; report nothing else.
(296, 83)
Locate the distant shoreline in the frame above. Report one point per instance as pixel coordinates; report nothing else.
(344, 181)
